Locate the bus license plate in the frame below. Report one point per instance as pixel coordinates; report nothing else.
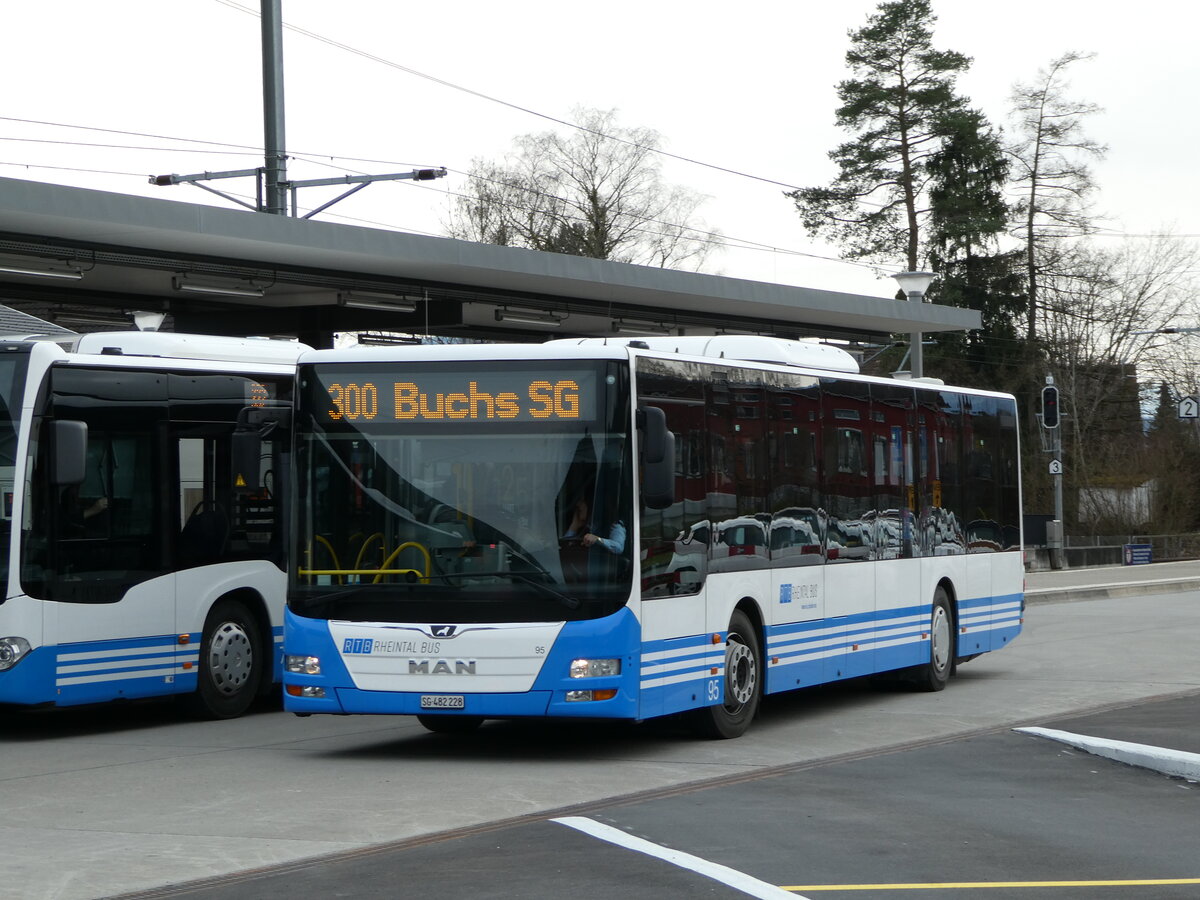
(440, 701)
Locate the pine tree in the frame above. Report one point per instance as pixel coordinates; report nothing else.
(967, 214)
(901, 91)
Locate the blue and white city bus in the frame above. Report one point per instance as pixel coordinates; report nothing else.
(635, 528)
(131, 565)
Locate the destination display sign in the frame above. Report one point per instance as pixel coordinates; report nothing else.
(567, 395)
(257, 394)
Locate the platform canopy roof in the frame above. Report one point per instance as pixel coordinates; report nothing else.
(86, 259)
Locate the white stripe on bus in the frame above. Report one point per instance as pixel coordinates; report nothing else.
(121, 676)
(151, 650)
(125, 664)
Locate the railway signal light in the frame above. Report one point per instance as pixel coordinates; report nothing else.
(1050, 406)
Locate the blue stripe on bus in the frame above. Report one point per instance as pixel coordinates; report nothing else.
(678, 674)
(96, 671)
(31, 681)
(803, 654)
(681, 673)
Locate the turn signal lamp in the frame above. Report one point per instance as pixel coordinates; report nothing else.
(305, 690)
(584, 696)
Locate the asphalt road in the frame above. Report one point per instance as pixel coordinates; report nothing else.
(950, 819)
(126, 799)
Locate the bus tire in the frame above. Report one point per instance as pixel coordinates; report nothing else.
(743, 684)
(231, 662)
(451, 724)
(933, 675)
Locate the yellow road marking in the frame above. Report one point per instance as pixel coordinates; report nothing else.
(962, 885)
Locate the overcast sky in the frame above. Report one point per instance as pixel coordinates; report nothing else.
(748, 86)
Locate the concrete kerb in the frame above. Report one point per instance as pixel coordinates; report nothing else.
(1176, 763)
(1111, 591)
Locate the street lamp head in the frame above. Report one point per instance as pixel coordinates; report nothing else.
(914, 284)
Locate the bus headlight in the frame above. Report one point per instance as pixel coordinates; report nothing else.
(595, 668)
(303, 665)
(12, 651)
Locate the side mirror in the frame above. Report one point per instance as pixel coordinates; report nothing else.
(246, 451)
(68, 451)
(658, 458)
(255, 425)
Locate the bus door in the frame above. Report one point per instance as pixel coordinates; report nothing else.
(204, 524)
(214, 520)
(98, 548)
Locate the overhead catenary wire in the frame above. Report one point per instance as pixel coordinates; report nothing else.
(726, 240)
(514, 106)
(319, 158)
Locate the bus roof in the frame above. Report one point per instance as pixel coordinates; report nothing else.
(191, 346)
(748, 348)
(756, 349)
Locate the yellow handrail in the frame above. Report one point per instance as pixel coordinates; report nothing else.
(367, 543)
(387, 562)
(333, 553)
(377, 572)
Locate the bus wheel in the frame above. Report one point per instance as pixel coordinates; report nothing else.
(451, 724)
(230, 667)
(933, 675)
(743, 684)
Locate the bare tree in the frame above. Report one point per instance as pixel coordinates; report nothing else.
(595, 192)
(1102, 318)
(1049, 171)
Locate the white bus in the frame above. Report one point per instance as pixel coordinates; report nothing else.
(131, 565)
(635, 528)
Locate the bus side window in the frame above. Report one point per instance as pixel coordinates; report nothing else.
(674, 541)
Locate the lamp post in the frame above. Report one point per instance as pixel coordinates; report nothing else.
(914, 285)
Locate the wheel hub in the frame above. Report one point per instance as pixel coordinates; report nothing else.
(940, 637)
(230, 658)
(741, 677)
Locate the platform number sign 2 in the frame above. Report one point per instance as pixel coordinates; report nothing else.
(1189, 407)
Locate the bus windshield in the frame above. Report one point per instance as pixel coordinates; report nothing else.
(498, 492)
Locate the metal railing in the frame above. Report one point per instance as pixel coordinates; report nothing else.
(1163, 546)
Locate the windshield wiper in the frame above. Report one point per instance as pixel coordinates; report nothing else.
(565, 599)
(372, 592)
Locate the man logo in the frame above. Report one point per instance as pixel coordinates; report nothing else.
(441, 667)
(443, 630)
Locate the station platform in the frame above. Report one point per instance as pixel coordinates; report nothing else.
(1103, 582)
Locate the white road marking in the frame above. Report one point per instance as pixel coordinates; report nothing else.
(1179, 763)
(732, 877)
